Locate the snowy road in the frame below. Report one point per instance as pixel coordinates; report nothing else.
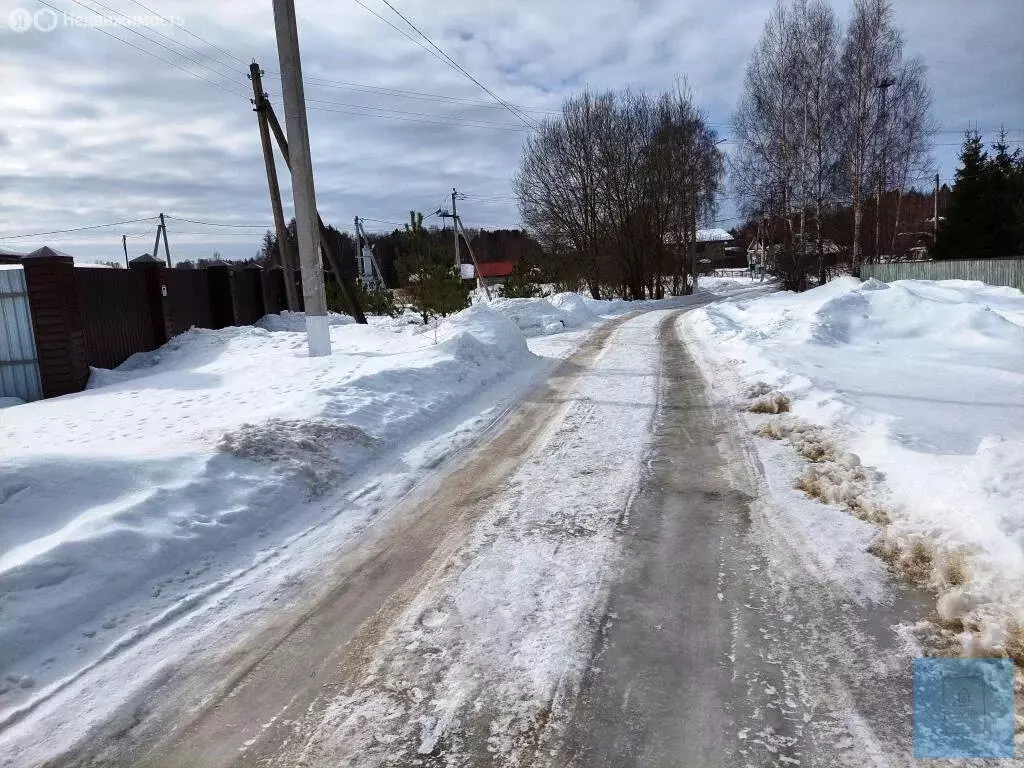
(595, 586)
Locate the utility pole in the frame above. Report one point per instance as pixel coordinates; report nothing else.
(167, 250)
(124, 244)
(935, 215)
(284, 252)
(156, 243)
(303, 191)
(476, 267)
(455, 215)
(327, 243)
(884, 87)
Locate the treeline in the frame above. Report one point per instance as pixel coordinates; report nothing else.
(986, 213)
(829, 117)
(613, 189)
(488, 246)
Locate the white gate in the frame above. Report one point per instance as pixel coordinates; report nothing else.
(19, 369)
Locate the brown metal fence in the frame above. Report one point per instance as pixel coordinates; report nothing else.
(188, 300)
(115, 315)
(84, 317)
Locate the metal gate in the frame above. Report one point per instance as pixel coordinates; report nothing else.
(19, 369)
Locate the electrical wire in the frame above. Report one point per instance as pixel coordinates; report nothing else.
(405, 112)
(230, 68)
(455, 65)
(217, 224)
(144, 37)
(76, 229)
(149, 53)
(362, 88)
(193, 34)
(417, 119)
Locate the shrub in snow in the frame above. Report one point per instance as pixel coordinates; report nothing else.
(1014, 643)
(774, 402)
(772, 430)
(758, 389)
(954, 606)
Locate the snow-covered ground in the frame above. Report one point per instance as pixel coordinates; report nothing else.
(923, 382)
(185, 492)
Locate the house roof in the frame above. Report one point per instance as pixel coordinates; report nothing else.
(489, 269)
(715, 235)
(47, 252)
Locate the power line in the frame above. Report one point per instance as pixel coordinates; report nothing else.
(363, 88)
(149, 53)
(219, 63)
(451, 62)
(193, 34)
(218, 224)
(398, 29)
(417, 119)
(405, 112)
(75, 229)
(144, 37)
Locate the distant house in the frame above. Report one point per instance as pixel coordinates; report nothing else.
(716, 249)
(491, 272)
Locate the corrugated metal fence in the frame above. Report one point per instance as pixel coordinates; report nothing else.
(992, 271)
(19, 368)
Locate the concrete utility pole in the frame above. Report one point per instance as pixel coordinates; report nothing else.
(284, 251)
(455, 214)
(935, 204)
(124, 244)
(327, 243)
(303, 192)
(167, 250)
(156, 243)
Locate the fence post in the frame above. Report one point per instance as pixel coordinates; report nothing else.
(222, 308)
(151, 272)
(56, 322)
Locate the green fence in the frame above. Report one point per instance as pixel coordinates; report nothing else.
(992, 271)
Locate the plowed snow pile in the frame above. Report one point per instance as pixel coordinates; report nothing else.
(924, 382)
(126, 504)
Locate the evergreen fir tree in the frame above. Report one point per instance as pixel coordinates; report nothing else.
(435, 289)
(985, 218)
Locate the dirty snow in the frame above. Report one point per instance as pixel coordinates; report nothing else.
(924, 383)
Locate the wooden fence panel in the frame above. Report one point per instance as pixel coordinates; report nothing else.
(991, 271)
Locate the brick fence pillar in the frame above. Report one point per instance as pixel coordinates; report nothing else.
(274, 297)
(254, 284)
(57, 323)
(152, 274)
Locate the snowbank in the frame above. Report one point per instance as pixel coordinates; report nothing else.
(924, 382)
(127, 503)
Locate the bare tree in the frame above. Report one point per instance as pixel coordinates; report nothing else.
(817, 38)
(615, 181)
(872, 51)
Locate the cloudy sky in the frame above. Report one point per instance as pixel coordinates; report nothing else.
(94, 130)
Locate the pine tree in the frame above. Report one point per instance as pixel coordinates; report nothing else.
(435, 289)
